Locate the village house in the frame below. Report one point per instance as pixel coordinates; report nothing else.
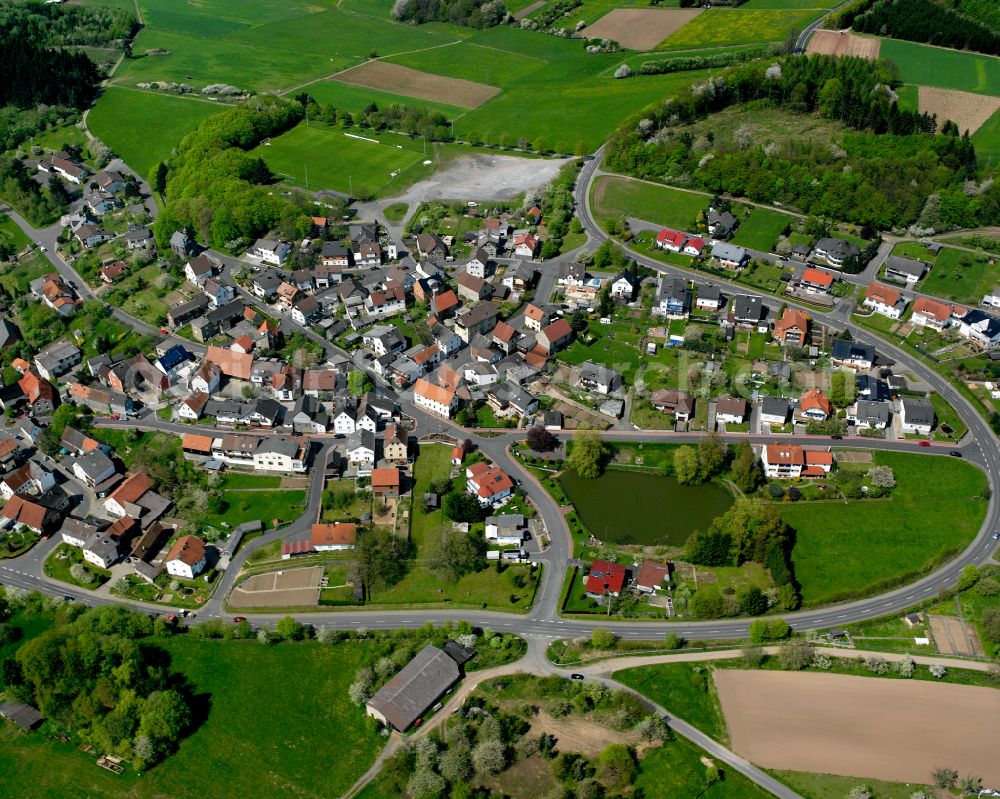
(980, 328)
(869, 414)
(916, 415)
(905, 270)
(670, 240)
(815, 406)
(605, 579)
(792, 327)
(510, 400)
(816, 281)
(57, 359)
(186, 558)
(852, 354)
(386, 482)
(709, 298)
(199, 269)
(139, 237)
(678, 403)
(721, 224)
(61, 165)
(361, 450)
(394, 444)
(40, 394)
(431, 247)
(556, 336)
(653, 576)
(473, 288)
(599, 378)
(536, 317)
(333, 537)
(271, 251)
(479, 264)
(774, 410)
(885, 300)
(434, 398)
(791, 461)
(731, 410)
(930, 313)
(489, 484)
(280, 454)
(481, 319)
(109, 273)
(835, 251)
(525, 246)
(29, 478)
(624, 286)
(506, 530)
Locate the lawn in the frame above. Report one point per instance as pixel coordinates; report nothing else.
(684, 689)
(722, 26)
(15, 278)
(662, 205)
(12, 234)
(987, 141)
(859, 548)
(271, 714)
(677, 770)
(236, 480)
(58, 564)
(321, 158)
(949, 69)
(761, 229)
(833, 786)
(143, 127)
(394, 213)
(946, 415)
(266, 506)
(960, 276)
(474, 62)
(433, 463)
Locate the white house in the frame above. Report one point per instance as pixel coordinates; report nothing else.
(489, 484)
(730, 410)
(101, 550)
(436, 399)
(271, 251)
(361, 450)
(885, 300)
(206, 379)
(624, 286)
(916, 415)
(279, 454)
(186, 558)
(333, 537)
(791, 461)
(980, 328)
(199, 269)
(506, 530)
(931, 313)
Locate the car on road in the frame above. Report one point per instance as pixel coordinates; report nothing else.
(955, 453)
(44, 248)
(69, 598)
(163, 331)
(925, 443)
(576, 676)
(996, 535)
(836, 437)
(239, 619)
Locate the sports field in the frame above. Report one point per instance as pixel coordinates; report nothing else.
(330, 159)
(143, 127)
(896, 730)
(662, 205)
(949, 69)
(722, 26)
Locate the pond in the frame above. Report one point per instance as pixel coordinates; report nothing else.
(622, 507)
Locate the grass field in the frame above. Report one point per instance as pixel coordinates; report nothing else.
(613, 196)
(833, 786)
(936, 508)
(143, 127)
(722, 26)
(266, 506)
(356, 98)
(332, 160)
(960, 276)
(987, 141)
(12, 234)
(677, 770)
(271, 713)
(761, 229)
(950, 69)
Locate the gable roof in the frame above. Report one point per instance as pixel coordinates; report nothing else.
(605, 578)
(188, 549)
(231, 363)
(335, 534)
(817, 277)
(433, 393)
(131, 488)
(814, 398)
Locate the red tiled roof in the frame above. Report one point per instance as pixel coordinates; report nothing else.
(196, 443)
(131, 488)
(490, 480)
(428, 390)
(814, 398)
(188, 549)
(444, 301)
(932, 308)
(336, 534)
(24, 511)
(883, 294)
(817, 277)
(652, 573)
(385, 478)
(504, 332)
(232, 363)
(605, 578)
(666, 236)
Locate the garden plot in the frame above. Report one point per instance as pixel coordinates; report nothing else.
(843, 43)
(640, 28)
(886, 729)
(967, 110)
(952, 637)
(279, 589)
(409, 82)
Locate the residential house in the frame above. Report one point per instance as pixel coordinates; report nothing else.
(335, 254)
(885, 300)
(20, 512)
(205, 380)
(100, 202)
(916, 415)
(625, 286)
(510, 400)
(520, 278)
(537, 316)
(871, 388)
(188, 311)
(556, 336)
(101, 549)
(673, 298)
(526, 245)
(905, 270)
(192, 407)
(473, 288)
(111, 181)
(333, 537)
(139, 237)
(815, 406)
(791, 461)
(361, 450)
(479, 264)
(186, 558)
(434, 398)
(721, 224)
(446, 340)
(308, 416)
(731, 410)
(182, 245)
(605, 579)
(980, 328)
(109, 273)
(320, 383)
(490, 484)
(670, 240)
(271, 251)
(94, 467)
(367, 253)
(388, 302)
(75, 532)
(709, 298)
(774, 410)
(383, 340)
(599, 378)
(835, 251)
(305, 310)
(58, 296)
(57, 359)
(199, 269)
(218, 293)
(869, 415)
(30, 477)
(40, 394)
(505, 530)
(816, 281)
(852, 354)
(481, 319)
(64, 167)
(792, 327)
(234, 365)
(394, 444)
(730, 256)
(652, 577)
(431, 247)
(266, 283)
(931, 313)
(280, 454)
(444, 303)
(679, 403)
(386, 482)
(572, 275)
(504, 337)
(694, 246)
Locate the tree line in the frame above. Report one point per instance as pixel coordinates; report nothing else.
(60, 25)
(39, 204)
(213, 186)
(398, 117)
(880, 172)
(472, 13)
(33, 74)
(929, 23)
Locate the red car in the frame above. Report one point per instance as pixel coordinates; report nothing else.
(238, 619)
(925, 443)
(163, 330)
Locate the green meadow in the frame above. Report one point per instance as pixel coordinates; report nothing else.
(722, 26)
(950, 69)
(614, 196)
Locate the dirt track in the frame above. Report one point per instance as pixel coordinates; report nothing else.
(843, 43)
(286, 588)
(413, 83)
(967, 110)
(640, 28)
(897, 730)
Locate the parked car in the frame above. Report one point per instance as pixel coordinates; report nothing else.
(576, 676)
(996, 535)
(239, 619)
(955, 453)
(925, 443)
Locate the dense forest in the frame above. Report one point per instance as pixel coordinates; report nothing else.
(890, 168)
(32, 73)
(39, 205)
(928, 22)
(66, 25)
(473, 13)
(986, 12)
(212, 186)
(92, 676)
